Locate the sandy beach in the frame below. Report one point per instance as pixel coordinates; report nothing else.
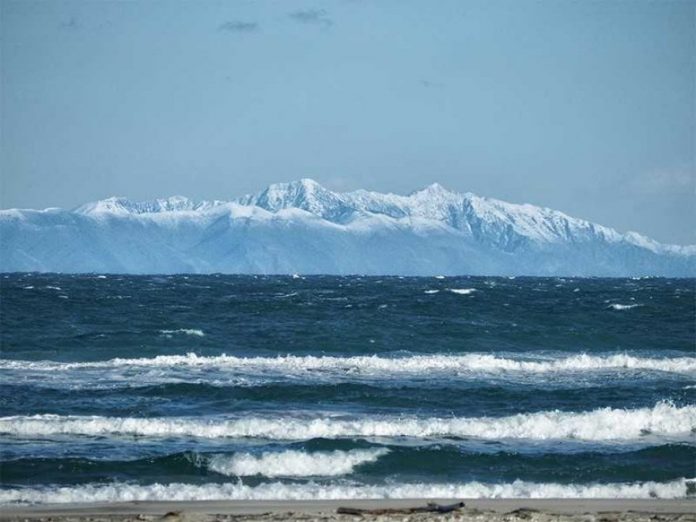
(387, 510)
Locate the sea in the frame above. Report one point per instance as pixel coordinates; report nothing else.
(195, 387)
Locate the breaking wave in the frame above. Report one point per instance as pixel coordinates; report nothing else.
(119, 492)
(185, 331)
(605, 424)
(462, 291)
(293, 463)
(374, 365)
(618, 306)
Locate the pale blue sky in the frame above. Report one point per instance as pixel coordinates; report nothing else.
(587, 107)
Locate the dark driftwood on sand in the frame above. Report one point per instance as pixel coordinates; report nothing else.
(430, 508)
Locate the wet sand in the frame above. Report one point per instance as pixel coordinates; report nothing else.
(682, 510)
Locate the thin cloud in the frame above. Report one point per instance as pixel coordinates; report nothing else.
(70, 24)
(429, 83)
(238, 26)
(673, 181)
(312, 17)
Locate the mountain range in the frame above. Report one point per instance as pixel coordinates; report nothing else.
(302, 227)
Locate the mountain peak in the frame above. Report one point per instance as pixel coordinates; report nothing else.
(434, 187)
(308, 183)
(113, 204)
(305, 194)
(303, 184)
(434, 190)
(121, 205)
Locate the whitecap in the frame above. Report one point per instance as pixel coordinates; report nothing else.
(365, 366)
(186, 331)
(293, 463)
(462, 291)
(605, 424)
(122, 492)
(617, 306)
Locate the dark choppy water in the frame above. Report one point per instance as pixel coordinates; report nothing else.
(121, 387)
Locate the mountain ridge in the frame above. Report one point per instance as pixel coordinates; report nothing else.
(269, 200)
(429, 230)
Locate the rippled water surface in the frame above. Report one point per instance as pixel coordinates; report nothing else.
(125, 387)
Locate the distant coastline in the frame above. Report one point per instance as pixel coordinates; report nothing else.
(304, 228)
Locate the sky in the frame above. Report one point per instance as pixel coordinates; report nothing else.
(586, 107)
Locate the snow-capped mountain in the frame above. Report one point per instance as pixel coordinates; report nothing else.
(302, 227)
(125, 206)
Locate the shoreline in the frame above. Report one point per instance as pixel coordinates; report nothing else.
(477, 509)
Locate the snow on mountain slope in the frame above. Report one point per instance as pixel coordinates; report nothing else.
(116, 205)
(303, 227)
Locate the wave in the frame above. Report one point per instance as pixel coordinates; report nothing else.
(119, 492)
(374, 365)
(22, 464)
(606, 424)
(186, 331)
(293, 463)
(618, 306)
(462, 291)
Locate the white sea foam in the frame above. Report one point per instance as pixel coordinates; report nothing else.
(431, 292)
(618, 306)
(119, 492)
(293, 463)
(462, 291)
(283, 296)
(186, 331)
(373, 365)
(605, 424)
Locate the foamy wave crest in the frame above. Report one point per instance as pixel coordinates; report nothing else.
(373, 365)
(185, 331)
(293, 463)
(618, 306)
(462, 291)
(604, 424)
(311, 491)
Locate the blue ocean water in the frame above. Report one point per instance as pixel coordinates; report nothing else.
(198, 387)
